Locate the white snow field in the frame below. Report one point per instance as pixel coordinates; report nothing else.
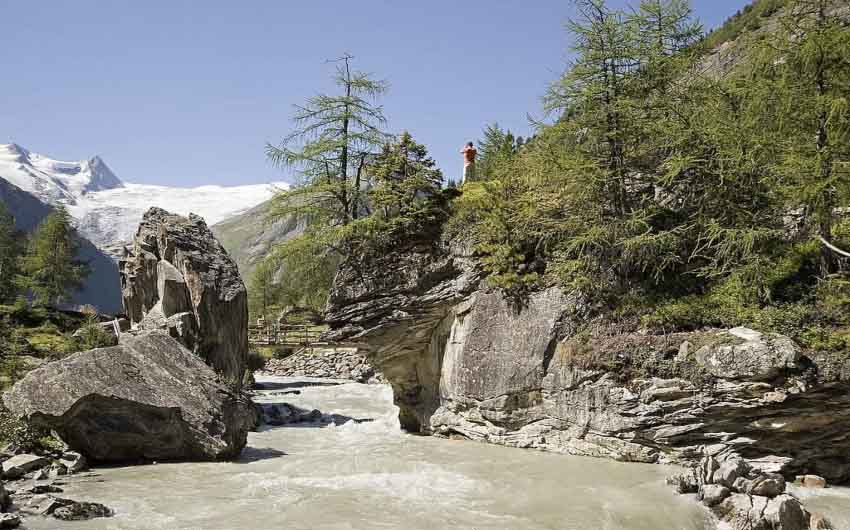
(108, 210)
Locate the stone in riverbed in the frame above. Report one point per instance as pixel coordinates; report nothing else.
(713, 494)
(147, 398)
(9, 520)
(811, 481)
(82, 511)
(767, 486)
(20, 465)
(73, 462)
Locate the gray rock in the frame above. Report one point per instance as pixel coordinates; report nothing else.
(336, 363)
(285, 414)
(713, 494)
(20, 465)
(147, 398)
(786, 513)
(73, 462)
(9, 520)
(46, 504)
(767, 486)
(82, 511)
(178, 277)
(730, 471)
(751, 356)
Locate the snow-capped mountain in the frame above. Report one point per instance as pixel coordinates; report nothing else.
(108, 210)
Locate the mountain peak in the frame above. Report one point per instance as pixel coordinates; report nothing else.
(101, 176)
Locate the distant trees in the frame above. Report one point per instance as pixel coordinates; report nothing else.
(10, 249)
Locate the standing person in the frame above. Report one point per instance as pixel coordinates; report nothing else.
(468, 153)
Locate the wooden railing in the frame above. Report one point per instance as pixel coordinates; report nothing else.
(304, 335)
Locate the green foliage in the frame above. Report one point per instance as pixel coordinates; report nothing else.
(405, 196)
(307, 265)
(23, 436)
(264, 291)
(93, 335)
(334, 138)
(673, 200)
(497, 148)
(50, 269)
(10, 250)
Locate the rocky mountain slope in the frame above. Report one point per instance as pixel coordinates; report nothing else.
(102, 288)
(107, 209)
(250, 236)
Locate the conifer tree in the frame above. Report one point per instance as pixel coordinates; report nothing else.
(264, 289)
(50, 268)
(808, 81)
(405, 179)
(334, 138)
(9, 253)
(496, 148)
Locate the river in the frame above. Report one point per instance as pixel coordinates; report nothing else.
(370, 475)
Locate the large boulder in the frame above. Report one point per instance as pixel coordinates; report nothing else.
(147, 398)
(177, 277)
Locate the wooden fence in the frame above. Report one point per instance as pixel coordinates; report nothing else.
(294, 335)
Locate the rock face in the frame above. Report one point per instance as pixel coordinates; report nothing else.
(179, 278)
(465, 359)
(334, 363)
(147, 398)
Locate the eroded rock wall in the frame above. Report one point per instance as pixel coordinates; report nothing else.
(465, 359)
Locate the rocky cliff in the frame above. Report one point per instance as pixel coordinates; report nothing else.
(465, 359)
(178, 277)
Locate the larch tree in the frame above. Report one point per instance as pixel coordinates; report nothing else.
(808, 72)
(334, 138)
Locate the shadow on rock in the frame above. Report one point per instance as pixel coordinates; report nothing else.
(284, 414)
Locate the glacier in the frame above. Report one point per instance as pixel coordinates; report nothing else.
(106, 209)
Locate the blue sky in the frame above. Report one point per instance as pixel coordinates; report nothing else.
(187, 93)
